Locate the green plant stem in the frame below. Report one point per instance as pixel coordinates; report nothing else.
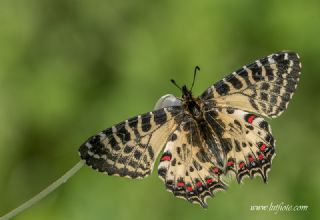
(44, 192)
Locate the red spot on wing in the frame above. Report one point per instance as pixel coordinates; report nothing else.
(180, 184)
(166, 158)
(241, 165)
(251, 118)
(215, 170)
(261, 156)
(230, 163)
(209, 181)
(199, 184)
(189, 188)
(263, 147)
(251, 159)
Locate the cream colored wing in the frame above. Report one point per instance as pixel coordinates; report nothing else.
(187, 168)
(130, 148)
(263, 87)
(246, 139)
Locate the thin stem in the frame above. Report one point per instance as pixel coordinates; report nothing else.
(44, 192)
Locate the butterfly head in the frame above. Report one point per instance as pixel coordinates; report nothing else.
(186, 93)
(190, 103)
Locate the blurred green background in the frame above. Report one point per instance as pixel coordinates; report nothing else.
(69, 69)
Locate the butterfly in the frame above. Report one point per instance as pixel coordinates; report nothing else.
(204, 138)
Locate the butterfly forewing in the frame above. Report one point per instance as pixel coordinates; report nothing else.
(130, 148)
(263, 87)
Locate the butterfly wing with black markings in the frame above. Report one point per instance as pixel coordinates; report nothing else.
(130, 148)
(263, 87)
(246, 140)
(187, 167)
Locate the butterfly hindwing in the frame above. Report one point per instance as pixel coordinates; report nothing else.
(247, 140)
(263, 87)
(130, 148)
(185, 167)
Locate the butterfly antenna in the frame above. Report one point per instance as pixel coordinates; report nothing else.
(197, 68)
(174, 83)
